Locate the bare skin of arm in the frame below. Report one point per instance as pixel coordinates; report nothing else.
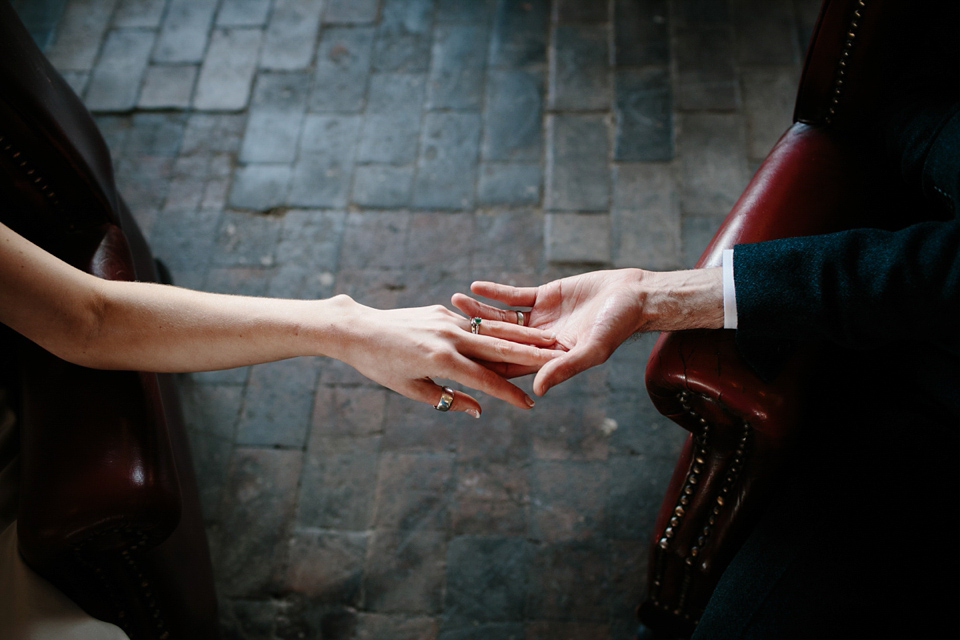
(594, 313)
(152, 327)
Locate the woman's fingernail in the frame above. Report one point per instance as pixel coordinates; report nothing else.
(474, 413)
(529, 401)
(549, 335)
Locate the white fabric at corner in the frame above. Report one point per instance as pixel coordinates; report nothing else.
(30, 607)
(33, 609)
(729, 292)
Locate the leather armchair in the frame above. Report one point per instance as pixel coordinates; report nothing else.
(817, 179)
(108, 507)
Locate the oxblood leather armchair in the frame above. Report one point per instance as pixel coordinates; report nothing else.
(817, 179)
(108, 508)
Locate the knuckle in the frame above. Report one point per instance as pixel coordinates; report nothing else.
(443, 358)
(445, 332)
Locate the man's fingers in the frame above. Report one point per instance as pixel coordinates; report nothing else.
(514, 332)
(563, 368)
(513, 296)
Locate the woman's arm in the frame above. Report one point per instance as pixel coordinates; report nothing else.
(144, 326)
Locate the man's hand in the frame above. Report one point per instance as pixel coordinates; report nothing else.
(594, 313)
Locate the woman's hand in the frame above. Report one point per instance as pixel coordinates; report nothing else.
(594, 313)
(405, 349)
(149, 327)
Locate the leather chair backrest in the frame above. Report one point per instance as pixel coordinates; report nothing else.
(843, 72)
(55, 171)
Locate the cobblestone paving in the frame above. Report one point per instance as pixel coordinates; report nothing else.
(396, 150)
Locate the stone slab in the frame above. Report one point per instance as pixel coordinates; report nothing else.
(381, 186)
(291, 35)
(115, 81)
(520, 34)
(324, 169)
(447, 166)
(146, 14)
(579, 70)
(644, 111)
(404, 36)
(243, 13)
(261, 493)
(641, 32)
(578, 237)
(578, 169)
(278, 404)
(706, 75)
(342, 69)
(275, 118)
(351, 11)
(183, 34)
(79, 35)
(391, 127)
(645, 218)
(485, 580)
(456, 78)
(713, 168)
(167, 87)
(509, 184)
(513, 116)
(227, 74)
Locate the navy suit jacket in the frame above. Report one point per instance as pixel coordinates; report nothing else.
(871, 288)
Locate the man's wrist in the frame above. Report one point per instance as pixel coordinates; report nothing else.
(676, 300)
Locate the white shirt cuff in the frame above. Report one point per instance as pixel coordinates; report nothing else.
(729, 292)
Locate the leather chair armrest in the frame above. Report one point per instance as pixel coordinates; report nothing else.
(97, 471)
(741, 426)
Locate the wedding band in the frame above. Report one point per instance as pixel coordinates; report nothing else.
(521, 319)
(446, 400)
(475, 325)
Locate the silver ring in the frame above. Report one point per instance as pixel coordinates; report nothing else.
(521, 319)
(475, 325)
(446, 400)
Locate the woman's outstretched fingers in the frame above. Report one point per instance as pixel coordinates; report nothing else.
(512, 332)
(508, 369)
(563, 368)
(464, 403)
(524, 335)
(475, 308)
(493, 349)
(476, 376)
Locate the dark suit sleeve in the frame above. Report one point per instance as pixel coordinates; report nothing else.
(867, 287)
(859, 288)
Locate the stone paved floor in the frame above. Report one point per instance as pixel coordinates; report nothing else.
(396, 150)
